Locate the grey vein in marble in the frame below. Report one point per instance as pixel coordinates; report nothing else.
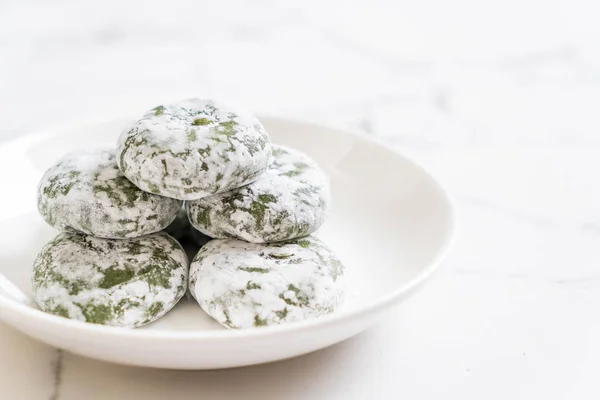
(57, 370)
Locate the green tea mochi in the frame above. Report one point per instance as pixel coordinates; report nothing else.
(193, 148)
(86, 192)
(127, 283)
(289, 200)
(245, 285)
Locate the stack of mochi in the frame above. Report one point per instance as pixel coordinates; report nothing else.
(204, 175)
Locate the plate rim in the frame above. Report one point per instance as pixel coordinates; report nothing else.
(379, 303)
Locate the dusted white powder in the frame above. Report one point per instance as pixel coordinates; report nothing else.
(128, 283)
(193, 148)
(289, 200)
(85, 191)
(244, 285)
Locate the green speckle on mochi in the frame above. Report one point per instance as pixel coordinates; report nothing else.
(134, 247)
(191, 135)
(257, 210)
(267, 198)
(337, 268)
(301, 300)
(44, 273)
(307, 190)
(59, 309)
(201, 121)
(282, 313)
(255, 269)
(121, 191)
(160, 110)
(299, 169)
(205, 152)
(115, 276)
(231, 200)
(227, 129)
(279, 151)
(156, 276)
(203, 216)
(280, 256)
(96, 313)
(259, 322)
(159, 254)
(228, 320)
(152, 312)
(57, 186)
(255, 144)
(304, 243)
(119, 309)
(137, 138)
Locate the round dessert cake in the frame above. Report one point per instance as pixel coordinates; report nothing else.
(289, 200)
(244, 285)
(127, 283)
(86, 192)
(193, 148)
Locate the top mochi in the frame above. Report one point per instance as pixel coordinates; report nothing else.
(192, 149)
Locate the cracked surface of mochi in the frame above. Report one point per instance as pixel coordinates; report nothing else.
(127, 283)
(245, 285)
(86, 192)
(289, 200)
(193, 148)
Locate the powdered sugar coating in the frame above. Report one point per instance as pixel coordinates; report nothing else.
(85, 191)
(289, 200)
(193, 148)
(245, 285)
(126, 283)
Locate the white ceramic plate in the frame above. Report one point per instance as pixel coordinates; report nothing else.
(391, 225)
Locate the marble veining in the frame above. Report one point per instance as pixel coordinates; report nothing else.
(498, 99)
(57, 367)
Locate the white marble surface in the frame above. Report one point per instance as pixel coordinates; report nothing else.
(499, 99)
